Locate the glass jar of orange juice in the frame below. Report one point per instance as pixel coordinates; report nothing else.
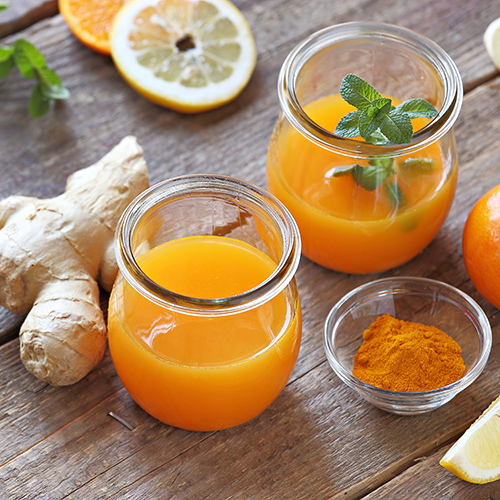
(204, 318)
(345, 225)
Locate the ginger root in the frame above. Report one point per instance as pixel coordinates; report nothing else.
(52, 254)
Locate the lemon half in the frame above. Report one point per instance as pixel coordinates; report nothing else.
(188, 55)
(475, 457)
(491, 39)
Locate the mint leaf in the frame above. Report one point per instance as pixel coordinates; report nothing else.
(378, 138)
(4, 5)
(371, 118)
(394, 193)
(379, 121)
(416, 108)
(357, 92)
(339, 171)
(31, 64)
(6, 66)
(22, 61)
(55, 92)
(39, 104)
(49, 76)
(50, 84)
(370, 177)
(348, 125)
(6, 53)
(28, 58)
(6, 60)
(29, 51)
(382, 161)
(397, 127)
(421, 166)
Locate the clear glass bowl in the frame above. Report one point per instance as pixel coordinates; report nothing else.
(411, 299)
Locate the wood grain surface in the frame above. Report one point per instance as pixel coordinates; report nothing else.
(23, 13)
(319, 439)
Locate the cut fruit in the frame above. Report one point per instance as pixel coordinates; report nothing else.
(475, 457)
(90, 20)
(188, 55)
(491, 41)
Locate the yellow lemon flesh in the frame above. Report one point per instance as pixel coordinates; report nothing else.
(475, 457)
(188, 55)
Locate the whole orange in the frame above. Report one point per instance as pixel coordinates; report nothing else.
(481, 246)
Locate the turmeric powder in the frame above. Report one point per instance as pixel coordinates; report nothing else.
(405, 356)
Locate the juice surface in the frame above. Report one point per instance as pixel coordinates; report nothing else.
(343, 225)
(199, 372)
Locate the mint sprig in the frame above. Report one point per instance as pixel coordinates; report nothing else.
(4, 5)
(376, 119)
(31, 64)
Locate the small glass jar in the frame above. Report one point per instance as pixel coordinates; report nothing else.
(200, 362)
(343, 225)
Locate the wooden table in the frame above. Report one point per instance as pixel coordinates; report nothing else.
(319, 440)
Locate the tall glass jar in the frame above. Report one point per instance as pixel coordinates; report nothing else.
(203, 361)
(344, 225)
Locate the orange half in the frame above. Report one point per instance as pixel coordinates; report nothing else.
(90, 20)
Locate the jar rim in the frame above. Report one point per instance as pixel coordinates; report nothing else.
(343, 33)
(198, 185)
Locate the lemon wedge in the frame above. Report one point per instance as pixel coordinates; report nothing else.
(187, 55)
(475, 457)
(491, 41)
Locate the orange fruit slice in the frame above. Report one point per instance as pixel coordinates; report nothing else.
(481, 246)
(90, 20)
(189, 55)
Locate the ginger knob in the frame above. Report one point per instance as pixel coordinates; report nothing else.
(53, 254)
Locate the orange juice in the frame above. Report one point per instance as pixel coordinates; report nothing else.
(344, 226)
(204, 372)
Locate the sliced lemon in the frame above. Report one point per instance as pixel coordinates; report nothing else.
(184, 54)
(475, 457)
(491, 41)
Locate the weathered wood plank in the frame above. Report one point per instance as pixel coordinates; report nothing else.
(23, 13)
(28, 403)
(81, 136)
(427, 479)
(37, 473)
(35, 409)
(319, 439)
(320, 426)
(325, 443)
(9, 325)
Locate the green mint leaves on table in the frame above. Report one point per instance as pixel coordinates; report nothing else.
(31, 64)
(377, 121)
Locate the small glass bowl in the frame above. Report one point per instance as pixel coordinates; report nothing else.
(411, 299)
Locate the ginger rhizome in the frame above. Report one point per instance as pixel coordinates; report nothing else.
(53, 254)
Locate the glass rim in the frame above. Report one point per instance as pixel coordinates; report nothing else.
(167, 191)
(343, 33)
(483, 328)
